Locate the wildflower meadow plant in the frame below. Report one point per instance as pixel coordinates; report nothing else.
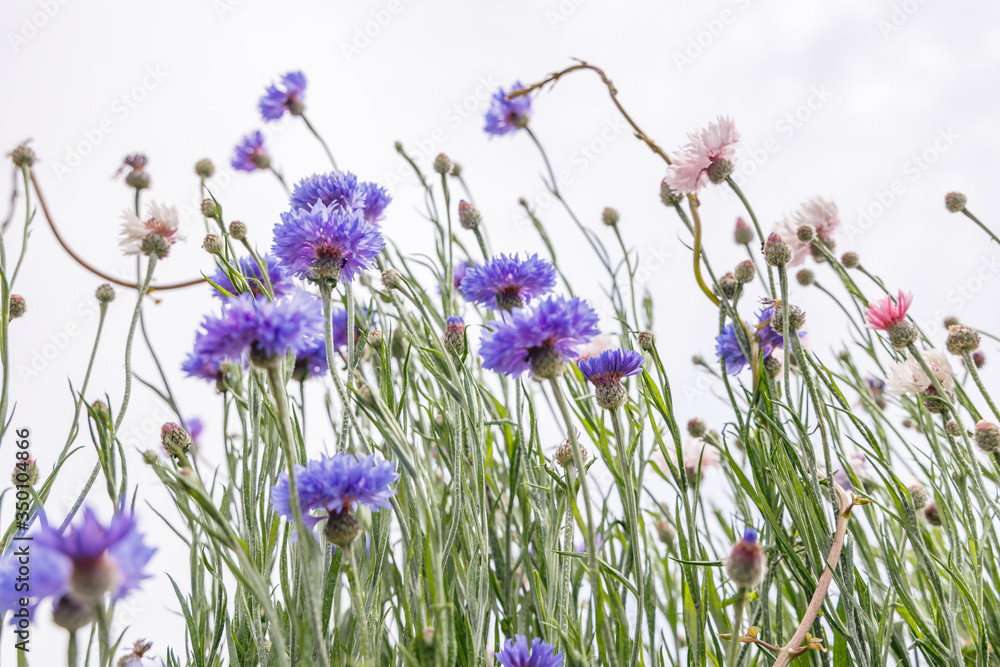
(454, 458)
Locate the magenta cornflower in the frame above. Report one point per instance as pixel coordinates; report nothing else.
(539, 339)
(506, 282)
(606, 372)
(508, 115)
(289, 96)
(251, 154)
(708, 156)
(887, 313)
(326, 242)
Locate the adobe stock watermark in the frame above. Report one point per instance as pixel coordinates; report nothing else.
(913, 169)
(751, 160)
(900, 15)
(121, 108)
(704, 39)
(33, 24)
(562, 12)
(370, 30)
(585, 155)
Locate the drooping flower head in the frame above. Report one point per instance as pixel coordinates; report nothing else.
(311, 361)
(822, 215)
(103, 559)
(289, 96)
(343, 190)
(508, 115)
(337, 484)
(769, 339)
(281, 283)
(708, 156)
(890, 316)
(606, 372)
(539, 339)
(745, 565)
(264, 330)
(250, 154)
(326, 242)
(154, 235)
(507, 282)
(515, 653)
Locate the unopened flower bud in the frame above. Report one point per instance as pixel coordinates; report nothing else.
(978, 358)
(987, 436)
(919, 496)
(932, 515)
(727, 285)
(955, 202)
(745, 272)
(805, 233)
(209, 208)
(175, 439)
(952, 428)
(745, 565)
(744, 234)
(204, 168)
(454, 336)
(391, 279)
(468, 215)
(805, 277)
(666, 532)
(238, 230)
(17, 306)
(398, 345)
(950, 322)
(961, 339)
(646, 340)
(101, 412)
(22, 156)
(564, 454)
(398, 146)
(719, 171)
(772, 365)
(696, 427)
(442, 164)
(796, 318)
(213, 244)
(150, 457)
(609, 216)
(25, 472)
(341, 528)
(375, 338)
(776, 251)
(138, 180)
(850, 260)
(456, 169)
(668, 195)
(105, 293)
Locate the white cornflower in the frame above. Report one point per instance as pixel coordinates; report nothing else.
(160, 219)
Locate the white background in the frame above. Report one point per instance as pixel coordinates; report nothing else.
(179, 81)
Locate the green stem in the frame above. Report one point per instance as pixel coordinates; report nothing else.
(981, 225)
(358, 605)
(629, 487)
(733, 652)
(756, 226)
(128, 342)
(326, 148)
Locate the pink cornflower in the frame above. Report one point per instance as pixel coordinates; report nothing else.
(708, 156)
(819, 212)
(885, 314)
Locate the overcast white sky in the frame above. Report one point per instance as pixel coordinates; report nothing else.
(851, 100)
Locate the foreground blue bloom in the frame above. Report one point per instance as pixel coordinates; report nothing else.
(343, 190)
(506, 282)
(203, 365)
(539, 339)
(49, 578)
(282, 284)
(505, 116)
(727, 346)
(250, 154)
(311, 362)
(105, 559)
(264, 330)
(515, 653)
(606, 372)
(336, 484)
(326, 242)
(289, 96)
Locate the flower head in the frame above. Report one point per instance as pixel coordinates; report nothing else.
(311, 361)
(745, 565)
(908, 377)
(707, 157)
(342, 190)
(821, 214)
(336, 484)
(606, 372)
(515, 653)
(157, 232)
(50, 573)
(506, 282)
(104, 559)
(265, 330)
(281, 283)
(508, 115)
(250, 154)
(887, 313)
(288, 96)
(539, 339)
(326, 242)
(769, 339)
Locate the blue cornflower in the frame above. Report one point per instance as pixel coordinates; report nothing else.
(264, 330)
(326, 242)
(255, 279)
(539, 339)
(311, 362)
(515, 653)
(606, 372)
(109, 559)
(337, 484)
(200, 364)
(342, 189)
(506, 282)
(250, 154)
(195, 427)
(505, 116)
(727, 346)
(50, 572)
(289, 96)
